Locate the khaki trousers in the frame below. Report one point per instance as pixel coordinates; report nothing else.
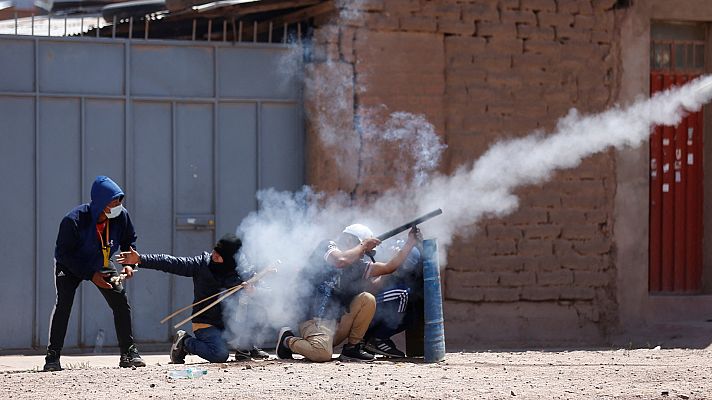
(319, 336)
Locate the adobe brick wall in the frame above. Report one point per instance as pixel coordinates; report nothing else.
(481, 71)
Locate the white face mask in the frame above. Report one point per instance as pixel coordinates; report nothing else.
(114, 212)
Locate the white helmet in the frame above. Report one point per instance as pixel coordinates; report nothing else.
(362, 232)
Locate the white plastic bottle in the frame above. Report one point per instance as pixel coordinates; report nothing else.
(188, 373)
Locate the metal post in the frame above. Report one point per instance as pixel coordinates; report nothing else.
(434, 322)
(131, 28)
(269, 37)
(299, 32)
(16, 24)
(239, 39)
(224, 30)
(49, 26)
(65, 25)
(81, 27)
(145, 29)
(254, 32)
(234, 30)
(113, 28)
(210, 29)
(284, 33)
(194, 27)
(32, 30)
(98, 22)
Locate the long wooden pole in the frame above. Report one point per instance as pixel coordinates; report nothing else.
(196, 303)
(229, 292)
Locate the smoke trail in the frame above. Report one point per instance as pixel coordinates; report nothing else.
(486, 188)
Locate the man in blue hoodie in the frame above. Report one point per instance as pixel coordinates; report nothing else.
(88, 236)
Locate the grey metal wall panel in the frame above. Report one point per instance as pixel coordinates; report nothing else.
(152, 215)
(59, 191)
(257, 73)
(180, 71)
(103, 155)
(175, 157)
(194, 158)
(237, 164)
(18, 66)
(81, 67)
(281, 157)
(17, 177)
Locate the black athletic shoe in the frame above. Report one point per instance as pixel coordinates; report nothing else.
(283, 352)
(355, 352)
(52, 361)
(384, 347)
(242, 355)
(131, 358)
(256, 352)
(178, 352)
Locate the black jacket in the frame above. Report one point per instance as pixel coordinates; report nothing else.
(208, 278)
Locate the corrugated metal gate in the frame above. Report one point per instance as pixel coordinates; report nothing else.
(190, 130)
(676, 176)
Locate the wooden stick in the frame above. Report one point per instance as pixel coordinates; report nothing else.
(252, 280)
(196, 303)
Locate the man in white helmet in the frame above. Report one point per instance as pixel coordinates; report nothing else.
(340, 307)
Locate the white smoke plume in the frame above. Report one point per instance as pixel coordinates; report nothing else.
(288, 226)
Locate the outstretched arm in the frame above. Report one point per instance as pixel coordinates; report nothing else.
(184, 266)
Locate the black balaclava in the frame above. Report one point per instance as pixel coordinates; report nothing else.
(227, 247)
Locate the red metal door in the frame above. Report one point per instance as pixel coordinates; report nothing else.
(676, 178)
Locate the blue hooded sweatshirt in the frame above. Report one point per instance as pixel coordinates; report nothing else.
(78, 249)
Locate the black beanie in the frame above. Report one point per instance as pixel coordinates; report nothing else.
(227, 247)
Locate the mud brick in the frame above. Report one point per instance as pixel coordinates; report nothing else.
(530, 60)
(509, 263)
(526, 17)
(527, 31)
(522, 278)
(542, 198)
(456, 27)
(543, 231)
(472, 278)
(596, 246)
(402, 7)
(583, 231)
(584, 22)
(496, 29)
(346, 44)
(418, 24)
(573, 34)
(543, 263)
(603, 5)
(509, 4)
(592, 279)
(497, 231)
(554, 19)
(527, 216)
(441, 9)
(560, 277)
(463, 293)
(470, 45)
(577, 293)
(506, 45)
(501, 294)
(585, 7)
(382, 22)
(481, 11)
(546, 47)
(564, 216)
(539, 5)
(564, 247)
(589, 263)
(535, 247)
(568, 6)
(597, 216)
(534, 293)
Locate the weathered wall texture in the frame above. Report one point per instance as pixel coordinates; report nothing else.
(482, 71)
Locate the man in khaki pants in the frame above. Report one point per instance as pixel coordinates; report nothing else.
(341, 308)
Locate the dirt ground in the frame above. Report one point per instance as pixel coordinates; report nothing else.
(605, 374)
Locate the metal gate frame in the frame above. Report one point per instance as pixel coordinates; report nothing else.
(128, 99)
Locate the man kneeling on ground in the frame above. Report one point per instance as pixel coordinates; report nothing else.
(341, 308)
(211, 273)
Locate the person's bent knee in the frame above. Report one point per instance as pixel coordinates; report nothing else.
(218, 357)
(366, 300)
(320, 355)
